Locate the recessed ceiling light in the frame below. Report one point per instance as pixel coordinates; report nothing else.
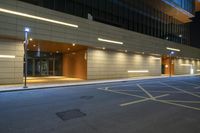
(73, 44)
(34, 45)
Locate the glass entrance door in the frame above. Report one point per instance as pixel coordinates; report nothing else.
(44, 68)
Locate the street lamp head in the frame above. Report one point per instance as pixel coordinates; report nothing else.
(180, 35)
(172, 52)
(26, 29)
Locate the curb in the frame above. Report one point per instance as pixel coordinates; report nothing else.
(89, 83)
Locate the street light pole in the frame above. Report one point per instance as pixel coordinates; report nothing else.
(25, 56)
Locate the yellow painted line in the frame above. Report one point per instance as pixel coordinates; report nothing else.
(146, 92)
(187, 92)
(123, 93)
(142, 100)
(179, 101)
(179, 105)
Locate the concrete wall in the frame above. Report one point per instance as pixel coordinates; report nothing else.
(11, 69)
(182, 66)
(110, 64)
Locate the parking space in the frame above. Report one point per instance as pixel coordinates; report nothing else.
(142, 106)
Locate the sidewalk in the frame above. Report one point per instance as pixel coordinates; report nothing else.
(19, 87)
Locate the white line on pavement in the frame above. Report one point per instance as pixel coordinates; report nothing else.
(146, 92)
(142, 100)
(187, 92)
(123, 93)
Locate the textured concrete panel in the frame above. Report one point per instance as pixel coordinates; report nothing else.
(109, 64)
(11, 69)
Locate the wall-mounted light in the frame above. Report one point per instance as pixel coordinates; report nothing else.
(173, 49)
(155, 58)
(110, 41)
(186, 64)
(7, 56)
(37, 17)
(138, 71)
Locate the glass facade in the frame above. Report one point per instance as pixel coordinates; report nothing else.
(134, 15)
(187, 5)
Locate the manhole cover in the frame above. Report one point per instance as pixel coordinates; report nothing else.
(70, 114)
(86, 97)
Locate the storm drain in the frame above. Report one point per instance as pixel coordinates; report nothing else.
(70, 114)
(86, 97)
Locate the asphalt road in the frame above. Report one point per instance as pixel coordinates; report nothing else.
(170, 105)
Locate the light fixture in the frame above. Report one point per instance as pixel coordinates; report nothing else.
(180, 35)
(68, 49)
(103, 48)
(126, 51)
(57, 52)
(73, 44)
(198, 70)
(34, 45)
(138, 71)
(26, 29)
(186, 64)
(110, 41)
(155, 58)
(7, 56)
(173, 49)
(37, 17)
(31, 39)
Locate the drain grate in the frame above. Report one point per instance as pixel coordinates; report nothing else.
(86, 97)
(70, 114)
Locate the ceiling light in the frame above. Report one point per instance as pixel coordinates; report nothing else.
(34, 45)
(73, 44)
(57, 52)
(110, 41)
(31, 39)
(37, 17)
(103, 48)
(68, 49)
(7, 56)
(186, 64)
(173, 49)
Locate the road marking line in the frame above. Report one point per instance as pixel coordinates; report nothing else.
(187, 92)
(134, 102)
(179, 101)
(189, 83)
(146, 92)
(176, 104)
(198, 87)
(142, 100)
(152, 91)
(123, 93)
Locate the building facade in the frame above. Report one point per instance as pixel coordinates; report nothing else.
(96, 39)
